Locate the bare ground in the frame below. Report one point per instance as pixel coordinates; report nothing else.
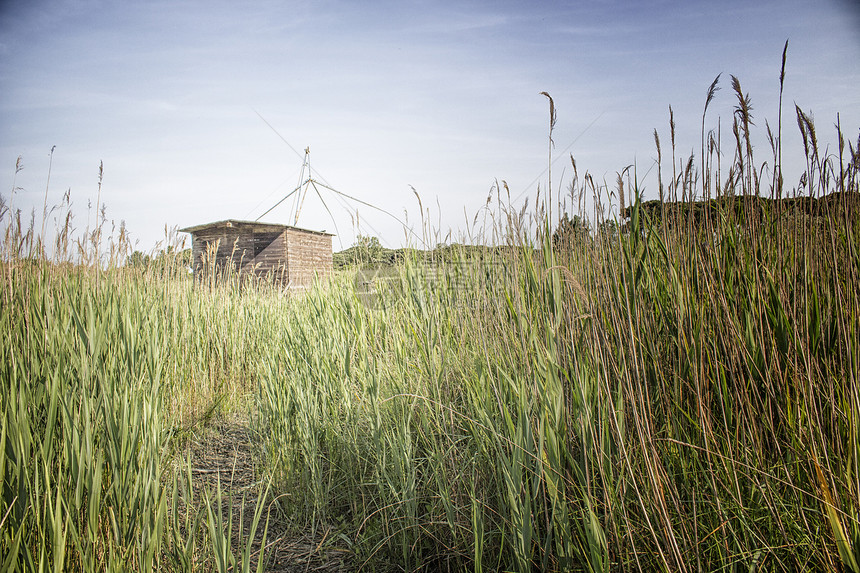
(225, 454)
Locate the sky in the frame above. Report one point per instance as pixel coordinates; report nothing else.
(201, 111)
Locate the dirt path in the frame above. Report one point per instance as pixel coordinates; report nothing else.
(225, 455)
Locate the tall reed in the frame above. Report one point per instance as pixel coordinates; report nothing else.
(105, 373)
(675, 389)
(677, 392)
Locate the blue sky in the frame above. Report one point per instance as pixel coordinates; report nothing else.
(440, 96)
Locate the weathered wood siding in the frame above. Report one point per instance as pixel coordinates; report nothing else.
(286, 255)
(218, 249)
(308, 255)
(270, 255)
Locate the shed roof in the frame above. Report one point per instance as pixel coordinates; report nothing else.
(251, 226)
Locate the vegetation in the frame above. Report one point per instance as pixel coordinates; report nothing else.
(645, 396)
(368, 253)
(170, 258)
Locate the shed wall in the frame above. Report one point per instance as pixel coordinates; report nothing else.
(233, 249)
(288, 256)
(269, 256)
(308, 255)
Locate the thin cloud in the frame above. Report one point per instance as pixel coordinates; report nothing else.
(440, 96)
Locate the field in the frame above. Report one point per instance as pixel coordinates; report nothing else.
(675, 389)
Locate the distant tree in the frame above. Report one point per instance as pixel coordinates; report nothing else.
(168, 260)
(368, 250)
(607, 230)
(570, 232)
(138, 260)
(365, 251)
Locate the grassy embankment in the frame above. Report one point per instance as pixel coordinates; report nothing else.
(680, 395)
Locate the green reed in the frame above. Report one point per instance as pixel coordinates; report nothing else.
(105, 373)
(676, 389)
(677, 393)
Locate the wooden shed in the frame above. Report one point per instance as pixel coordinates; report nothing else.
(290, 256)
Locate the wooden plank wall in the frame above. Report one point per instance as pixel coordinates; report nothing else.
(289, 257)
(308, 255)
(271, 256)
(233, 250)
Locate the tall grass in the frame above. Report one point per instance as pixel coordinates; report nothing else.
(105, 373)
(679, 393)
(676, 389)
